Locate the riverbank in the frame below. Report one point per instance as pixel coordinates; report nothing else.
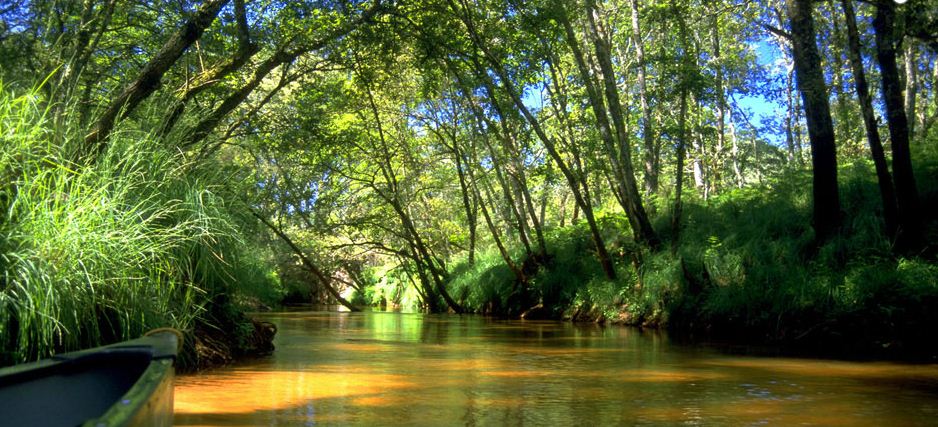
(746, 270)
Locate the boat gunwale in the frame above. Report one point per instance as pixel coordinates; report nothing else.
(159, 352)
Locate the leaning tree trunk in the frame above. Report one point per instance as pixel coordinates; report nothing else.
(419, 247)
(246, 49)
(602, 254)
(283, 55)
(810, 78)
(308, 263)
(474, 181)
(493, 230)
(150, 76)
(469, 201)
(617, 146)
(633, 198)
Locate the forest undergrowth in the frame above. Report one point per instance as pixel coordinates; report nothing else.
(747, 269)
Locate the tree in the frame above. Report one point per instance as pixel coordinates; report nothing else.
(810, 78)
(887, 193)
(325, 280)
(909, 234)
(687, 72)
(648, 129)
(149, 78)
(281, 57)
(509, 88)
(615, 138)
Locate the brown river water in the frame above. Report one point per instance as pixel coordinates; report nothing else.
(390, 369)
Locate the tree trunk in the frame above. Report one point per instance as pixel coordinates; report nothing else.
(633, 198)
(619, 154)
(688, 65)
(545, 192)
(679, 173)
(422, 252)
(602, 253)
(810, 78)
(493, 230)
(325, 280)
(92, 21)
(648, 135)
(792, 122)
(843, 127)
(246, 49)
(468, 199)
(791, 118)
(516, 177)
(205, 126)
(281, 56)
(909, 237)
(532, 212)
(701, 175)
(513, 211)
(718, 164)
(429, 297)
(886, 190)
(911, 82)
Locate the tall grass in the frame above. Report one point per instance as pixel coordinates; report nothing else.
(141, 238)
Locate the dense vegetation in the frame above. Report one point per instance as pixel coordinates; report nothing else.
(140, 239)
(758, 170)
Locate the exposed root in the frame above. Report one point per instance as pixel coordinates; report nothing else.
(208, 346)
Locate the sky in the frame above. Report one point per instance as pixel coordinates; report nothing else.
(767, 55)
(757, 106)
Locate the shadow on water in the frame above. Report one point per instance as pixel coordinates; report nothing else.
(413, 369)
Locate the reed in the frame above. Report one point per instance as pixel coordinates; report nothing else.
(91, 254)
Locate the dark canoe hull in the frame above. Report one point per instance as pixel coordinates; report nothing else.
(124, 384)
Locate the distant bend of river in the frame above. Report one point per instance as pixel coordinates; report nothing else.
(390, 369)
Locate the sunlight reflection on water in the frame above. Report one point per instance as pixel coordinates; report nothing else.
(409, 369)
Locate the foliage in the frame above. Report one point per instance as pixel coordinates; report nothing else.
(746, 268)
(94, 254)
(639, 162)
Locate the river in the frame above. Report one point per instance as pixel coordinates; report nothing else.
(389, 369)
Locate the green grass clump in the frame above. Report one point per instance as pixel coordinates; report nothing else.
(758, 274)
(90, 254)
(485, 285)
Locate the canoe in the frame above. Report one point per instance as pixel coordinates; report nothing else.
(124, 384)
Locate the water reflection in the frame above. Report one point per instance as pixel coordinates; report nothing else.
(410, 369)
